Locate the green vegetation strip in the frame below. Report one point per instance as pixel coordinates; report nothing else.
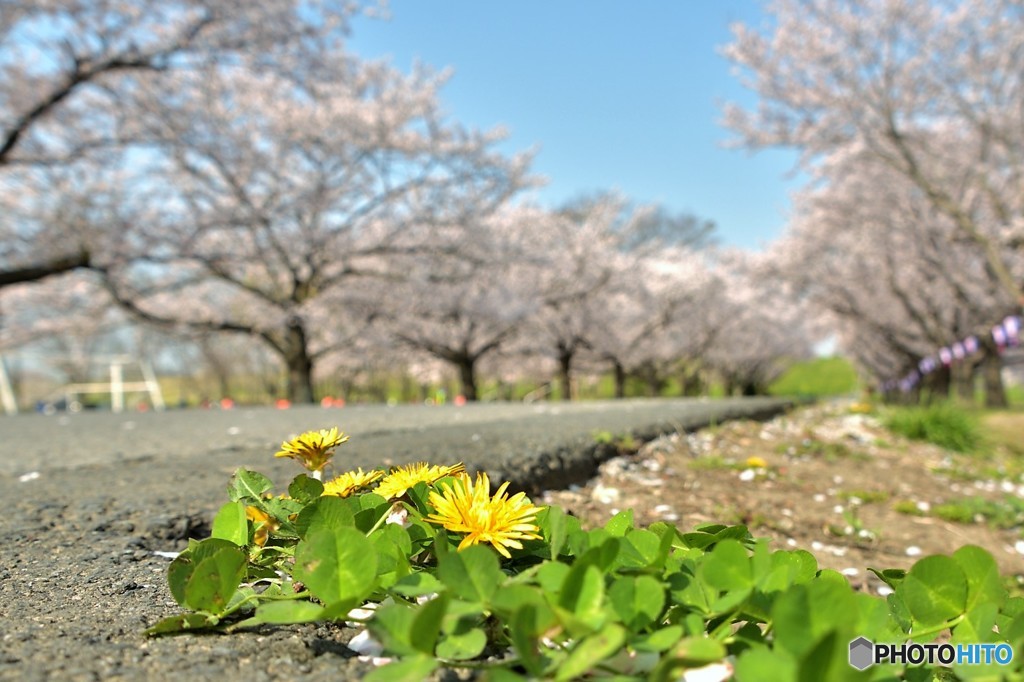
(941, 424)
(449, 575)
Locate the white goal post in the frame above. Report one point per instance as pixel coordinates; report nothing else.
(116, 386)
(6, 390)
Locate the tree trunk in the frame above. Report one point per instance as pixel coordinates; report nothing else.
(620, 379)
(300, 379)
(565, 372)
(937, 385)
(467, 377)
(963, 380)
(298, 364)
(691, 384)
(992, 373)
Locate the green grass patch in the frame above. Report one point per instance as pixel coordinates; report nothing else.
(1006, 513)
(908, 507)
(818, 377)
(624, 442)
(865, 496)
(710, 463)
(942, 424)
(830, 452)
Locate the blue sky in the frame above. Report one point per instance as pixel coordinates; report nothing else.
(614, 94)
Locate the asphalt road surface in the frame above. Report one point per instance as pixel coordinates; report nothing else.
(88, 498)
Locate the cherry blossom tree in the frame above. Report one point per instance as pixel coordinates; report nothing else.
(928, 88)
(69, 310)
(654, 315)
(273, 201)
(472, 298)
(573, 260)
(68, 67)
(762, 328)
(867, 246)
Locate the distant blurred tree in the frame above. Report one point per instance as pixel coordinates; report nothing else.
(930, 88)
(870, 248)
(268, 204)
(575, 259)
(465, 301)
(662, 228)
(67, 69)
(761, 330)
(643, 226)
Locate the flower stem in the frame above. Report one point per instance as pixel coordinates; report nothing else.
(384, 517)
(938, 628)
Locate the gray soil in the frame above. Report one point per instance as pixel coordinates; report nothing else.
(89, 498)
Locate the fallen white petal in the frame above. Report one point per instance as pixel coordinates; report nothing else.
(30, 476)
(713, 672)
(399, 517)
(361, 613)
(913, 550)
(605, 494)
(168, 555)
(366, 645)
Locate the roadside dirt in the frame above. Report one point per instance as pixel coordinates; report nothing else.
(822, 479)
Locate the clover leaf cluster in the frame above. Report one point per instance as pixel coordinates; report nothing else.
(444, 574)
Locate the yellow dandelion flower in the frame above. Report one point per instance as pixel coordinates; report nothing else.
(313, 449)
(351, 481)
(757, 462)
(263, 524)
(400, 479)
(468, 507)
